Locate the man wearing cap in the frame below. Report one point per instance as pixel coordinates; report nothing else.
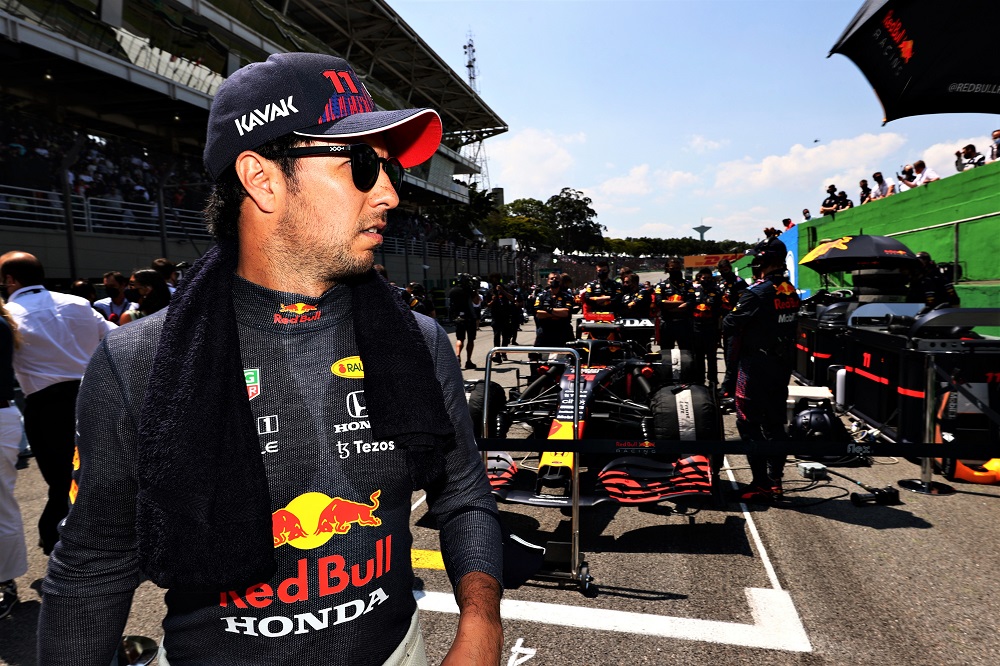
(829, 205)
(763, 325)
(254, 448)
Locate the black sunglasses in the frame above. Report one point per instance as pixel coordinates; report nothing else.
(365, 163)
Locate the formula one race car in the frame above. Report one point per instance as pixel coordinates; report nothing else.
(629, 399)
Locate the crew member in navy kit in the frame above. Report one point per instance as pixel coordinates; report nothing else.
(254, 448)
(732, 286)
(601, 297)
(674, 298)
(636, 299)
(763, 325)
(552, 314)
(707, 307)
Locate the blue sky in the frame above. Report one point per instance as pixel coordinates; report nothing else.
(673, 113)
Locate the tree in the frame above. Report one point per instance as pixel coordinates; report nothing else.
(527, 220)
(461, 219)
(573, 221)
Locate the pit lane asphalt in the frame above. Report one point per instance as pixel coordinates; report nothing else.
(911, 584)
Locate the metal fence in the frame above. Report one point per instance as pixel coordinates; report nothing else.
(38, 209)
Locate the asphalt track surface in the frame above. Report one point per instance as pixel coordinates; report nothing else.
(812, 580)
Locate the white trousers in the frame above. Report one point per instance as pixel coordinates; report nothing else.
(13, 554)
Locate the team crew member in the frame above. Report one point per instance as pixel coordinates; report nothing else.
(462, 303)
(674, 297)
(763, 323)
(732, 286)
(552, 314)
(254, 447)
(601, 297)
(636, 299)
(705, 323)
(928, 285)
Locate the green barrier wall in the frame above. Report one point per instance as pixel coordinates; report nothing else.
(973, 243)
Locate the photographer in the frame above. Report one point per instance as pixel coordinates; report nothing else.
(462, 302)
(501, 304)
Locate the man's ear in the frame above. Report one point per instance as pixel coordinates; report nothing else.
(261, 178)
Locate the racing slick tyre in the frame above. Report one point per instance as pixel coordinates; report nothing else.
(685, 413)
(677, 366)
(477, 400)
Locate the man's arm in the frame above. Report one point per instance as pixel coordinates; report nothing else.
(93, 570)
(469, 522)
(480, 633)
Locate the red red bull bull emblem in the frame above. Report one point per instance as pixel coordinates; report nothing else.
(310, 520)
(784, 288)
(896, 30)
(299, 313)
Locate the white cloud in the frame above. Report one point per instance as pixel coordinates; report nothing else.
(675, 180)
(800, 168)
(532, 163)
(699, 144)
(635, 183)
(739, 225)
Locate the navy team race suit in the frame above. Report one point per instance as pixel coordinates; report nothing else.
(763, 325)
(343, 592)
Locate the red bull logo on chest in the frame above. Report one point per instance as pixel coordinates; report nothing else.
(311, 519)
(296, 313)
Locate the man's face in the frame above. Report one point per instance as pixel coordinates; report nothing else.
(333, 225)
(554, 281)
(602, 272)
(877, 178)
(112, 286)
(831, 190)
(996, 135)
(967, 152)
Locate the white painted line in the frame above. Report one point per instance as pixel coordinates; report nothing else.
(420, 501)
(752, 526)
(776, 623)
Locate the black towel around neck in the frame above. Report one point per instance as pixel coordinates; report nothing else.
(203, 510)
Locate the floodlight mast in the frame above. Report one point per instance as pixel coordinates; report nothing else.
(475, 150)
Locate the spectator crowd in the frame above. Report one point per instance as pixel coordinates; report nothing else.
(911, 177)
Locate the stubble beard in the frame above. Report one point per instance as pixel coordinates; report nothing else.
(327, 258)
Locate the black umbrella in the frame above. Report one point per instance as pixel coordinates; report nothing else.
(927, 56)
(850, 253)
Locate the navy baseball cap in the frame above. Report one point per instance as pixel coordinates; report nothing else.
(311, 95)
(768, 251)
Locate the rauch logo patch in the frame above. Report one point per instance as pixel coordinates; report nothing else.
(349, 368)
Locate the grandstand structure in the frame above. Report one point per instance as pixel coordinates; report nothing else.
(119, 90)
